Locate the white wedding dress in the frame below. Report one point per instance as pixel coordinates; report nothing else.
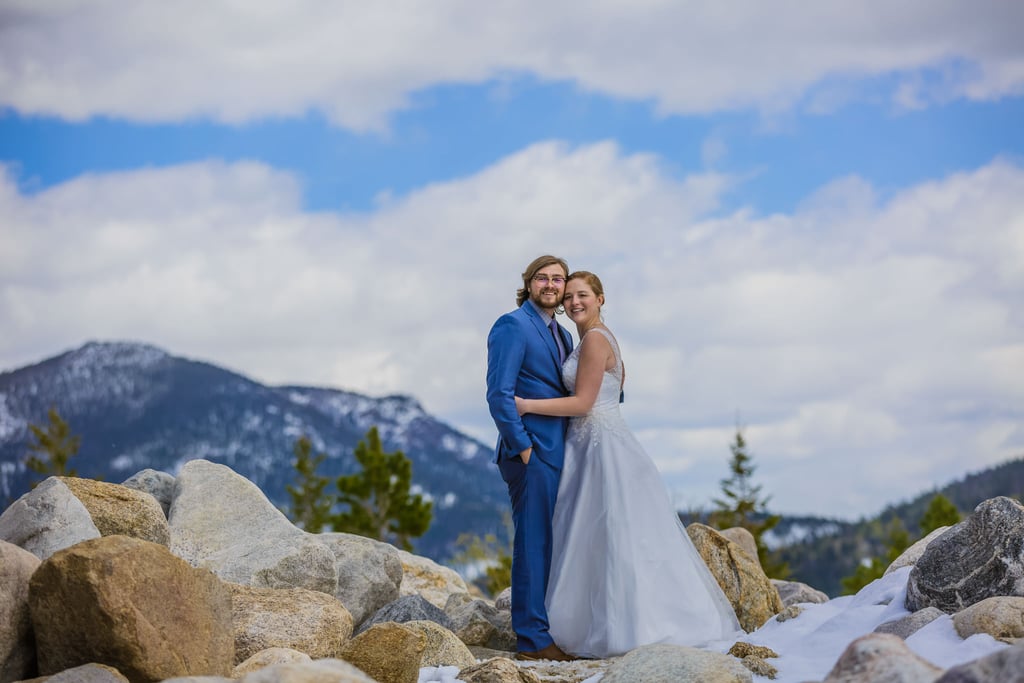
(624, 572)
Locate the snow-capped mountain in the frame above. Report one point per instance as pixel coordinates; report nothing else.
(136, 406)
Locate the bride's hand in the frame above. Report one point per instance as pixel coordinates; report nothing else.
(520, 405)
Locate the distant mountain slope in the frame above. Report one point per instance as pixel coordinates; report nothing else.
(833, 548)
(136, 406)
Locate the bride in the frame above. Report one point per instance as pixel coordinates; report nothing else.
(624, 572)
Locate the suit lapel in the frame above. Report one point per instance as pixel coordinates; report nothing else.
(545, 333)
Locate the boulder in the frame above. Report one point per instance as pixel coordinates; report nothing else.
(160, 485)
(443, 648)
(269, 657)
(910, 624)
(222, 521)
(408, 608)
(296, 618)
(117, 509)
(795, 593)
(676, 663)
(503, 600)
(754, 599)
(477, 622)
(17, 645)
(1001, 666)
(47, 519)
(88, 673)
(498, 670)
(319, 671)
(369, 572)
(911, 555)
(130, 604)
(435, 582)
(980, 557)
(881, 657)
(1001, 617)
(388, 652)
(744, 539)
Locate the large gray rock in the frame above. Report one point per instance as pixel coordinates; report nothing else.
(910, 624)
(1001, 666)
(369, 572)
(881, 657)
(130, 604)
(17, 646)
(477, 622)
(978, 558)
(408, 608)
(676, 663)
(88, 673)
(158, 484)
(308, 621)
(222, 521)
(47, 519)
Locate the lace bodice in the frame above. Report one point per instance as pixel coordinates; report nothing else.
(605, 412)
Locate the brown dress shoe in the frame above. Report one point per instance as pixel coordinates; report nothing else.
(552, 652)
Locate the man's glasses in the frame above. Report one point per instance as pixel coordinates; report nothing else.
(544, 279)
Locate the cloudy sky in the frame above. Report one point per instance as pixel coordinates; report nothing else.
(809, 219)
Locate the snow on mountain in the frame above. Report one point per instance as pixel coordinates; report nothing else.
(136, 406)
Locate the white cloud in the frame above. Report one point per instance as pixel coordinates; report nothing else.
(358, 62)
(873, 348)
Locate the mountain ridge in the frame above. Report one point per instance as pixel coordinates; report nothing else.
(136, 406)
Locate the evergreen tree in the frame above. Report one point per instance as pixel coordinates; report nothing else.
(496, 557)
(54, 446)
(941, 512)
(866, 572)
(378, 497)
(743, 506)
(310, 508)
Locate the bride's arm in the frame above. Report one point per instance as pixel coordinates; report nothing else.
(594, 353)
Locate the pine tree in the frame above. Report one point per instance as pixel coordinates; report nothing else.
(487, 550)
(941, 512)
(55, 446)
(743, 506)
(310, 508)
(866, 572)
(378, 497)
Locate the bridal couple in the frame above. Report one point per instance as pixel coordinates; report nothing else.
(600, 563)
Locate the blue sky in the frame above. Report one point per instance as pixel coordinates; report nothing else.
(810, 221)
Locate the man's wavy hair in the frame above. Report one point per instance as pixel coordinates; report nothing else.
(540, 262)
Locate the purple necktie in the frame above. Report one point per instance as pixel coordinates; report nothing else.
(558, 342)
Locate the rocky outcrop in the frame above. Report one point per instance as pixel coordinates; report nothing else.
(160, 485)
(17, 645)
(754, 599)
(308, 621)
(388, 652)
(881, 657)
(676, 663)
(978, 558)
(132, 605)
(223, 522)
(46, 519)
(119, 510)
(794, 593)
(115, 608)
(369, 572)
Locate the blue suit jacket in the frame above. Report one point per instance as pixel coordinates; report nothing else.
(522, 360)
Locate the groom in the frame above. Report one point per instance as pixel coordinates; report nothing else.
(525, 350)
